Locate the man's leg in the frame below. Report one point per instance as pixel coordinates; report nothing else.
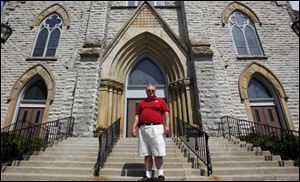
(159, 162)
(148, 165)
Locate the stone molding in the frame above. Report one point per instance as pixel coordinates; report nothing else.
(55, 8)
(201, 48)
(237, 6)
(28, 75)
(256, 68)
(90, 52)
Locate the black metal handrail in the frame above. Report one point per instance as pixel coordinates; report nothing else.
(239, 128)
(197, 142)
(107, 139)
(27, 137)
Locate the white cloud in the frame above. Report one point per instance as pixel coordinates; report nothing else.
(295, 5)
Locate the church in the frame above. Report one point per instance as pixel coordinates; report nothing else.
(91, 60)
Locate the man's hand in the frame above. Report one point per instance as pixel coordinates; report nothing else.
(133, 132)
(167, 129)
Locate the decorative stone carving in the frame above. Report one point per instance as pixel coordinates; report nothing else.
(90, 43)
(90, 52)
(201, 48)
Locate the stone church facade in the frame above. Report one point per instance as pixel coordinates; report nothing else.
(92, 59)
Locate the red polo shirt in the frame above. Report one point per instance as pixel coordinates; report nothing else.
(151, 111)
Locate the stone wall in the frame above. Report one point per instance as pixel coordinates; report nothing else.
(77, 78)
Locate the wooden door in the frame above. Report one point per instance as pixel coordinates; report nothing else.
(132, 105)
(29, 116)
(266, 115)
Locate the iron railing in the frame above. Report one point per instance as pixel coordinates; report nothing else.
(281, 141)
(197, 142)
(107, 139)
(21, 139)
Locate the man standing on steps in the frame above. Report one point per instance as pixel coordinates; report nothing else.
(149, 117)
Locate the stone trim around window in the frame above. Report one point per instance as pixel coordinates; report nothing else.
(251, 57)
(41, 59)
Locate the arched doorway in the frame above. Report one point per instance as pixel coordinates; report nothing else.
(261, 90)
(142, 73)
(31, 104)
(264, 103)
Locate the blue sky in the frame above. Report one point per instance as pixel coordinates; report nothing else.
(295, 5)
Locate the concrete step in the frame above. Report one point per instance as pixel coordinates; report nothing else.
(66, 164)
(255, 170)
(66, 153)
(141, 159)
(233, 153)
(241, 158)
(141, 172)
(230, 164)
(267, 177)
(50, 170)
(44, 177)
(135, 154)
(167, 165)
(62, 158)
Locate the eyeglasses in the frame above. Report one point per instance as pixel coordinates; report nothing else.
(150, 90)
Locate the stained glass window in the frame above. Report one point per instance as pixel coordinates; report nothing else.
(146, 72)
(37, 91)
(244, 35)
(48, 37)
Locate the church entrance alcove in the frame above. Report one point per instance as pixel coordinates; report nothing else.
(144, 72)
(31, 104)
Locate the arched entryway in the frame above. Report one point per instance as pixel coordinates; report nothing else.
(264, 103)
(31, 104)
(264, 97)
(35, 90)
(144, 72)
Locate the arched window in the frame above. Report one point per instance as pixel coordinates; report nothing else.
(258, 91)
(48, 36)
(244, 35)
(37, 91)
(264, 103)
(146, 72)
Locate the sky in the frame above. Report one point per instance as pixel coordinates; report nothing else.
(295, 5)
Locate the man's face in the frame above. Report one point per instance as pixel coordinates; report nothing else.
(150, 92)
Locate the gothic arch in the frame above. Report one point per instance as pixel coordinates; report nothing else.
(256, 68)
(53, 8)
(147, 44)
(237, 6)
(45, 75)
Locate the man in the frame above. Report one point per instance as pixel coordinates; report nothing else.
(149, 118)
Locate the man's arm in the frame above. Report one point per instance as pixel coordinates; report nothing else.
(167, 123)
(135, 125)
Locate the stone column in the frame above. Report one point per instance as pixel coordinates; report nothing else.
(114, 102)
(173, 109)
(190, 110)
(102, 119)
(110, 103)
(179, 105)
(183, 102)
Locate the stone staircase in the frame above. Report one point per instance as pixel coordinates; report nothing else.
(74, 159)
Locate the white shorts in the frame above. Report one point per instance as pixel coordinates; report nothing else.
(152, 140)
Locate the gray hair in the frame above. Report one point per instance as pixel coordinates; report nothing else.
(150, 84)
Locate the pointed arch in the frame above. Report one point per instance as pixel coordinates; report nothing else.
(146, 44)
(24, 79)
(60, 10)
(39, 70)
(256, 68)
(237, 6)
